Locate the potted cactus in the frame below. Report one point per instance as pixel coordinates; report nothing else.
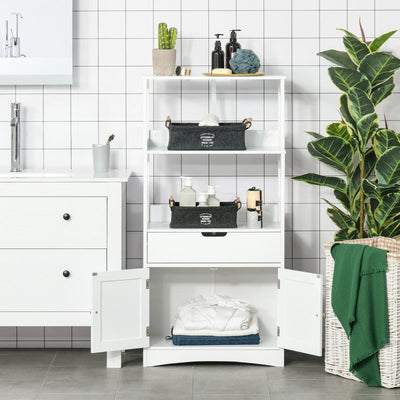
(164, 58)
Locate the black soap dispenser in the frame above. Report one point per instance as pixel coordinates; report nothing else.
(217, 56)
(231, 47)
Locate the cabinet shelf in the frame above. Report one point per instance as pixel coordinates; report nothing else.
(159, 342)
(163, 226)
(217, 78)
(250, 150)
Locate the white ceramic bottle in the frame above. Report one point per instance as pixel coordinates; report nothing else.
(212, 201)
(187, 197)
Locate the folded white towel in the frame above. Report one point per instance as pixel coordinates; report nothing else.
(209, 120)
(216, 313)
(179, 329)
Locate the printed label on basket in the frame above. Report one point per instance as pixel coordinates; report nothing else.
(205, 218)
(207, 140)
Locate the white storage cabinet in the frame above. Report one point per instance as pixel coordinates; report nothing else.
(55, 232)
(135, 308)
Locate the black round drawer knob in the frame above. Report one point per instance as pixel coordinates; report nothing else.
(66, 216)
(66, 273)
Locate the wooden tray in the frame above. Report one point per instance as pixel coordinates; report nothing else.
(256, 74)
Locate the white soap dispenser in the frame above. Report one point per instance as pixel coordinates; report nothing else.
(187, 197)
(212, 201)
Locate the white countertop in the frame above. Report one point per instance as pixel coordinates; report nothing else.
(88, 175)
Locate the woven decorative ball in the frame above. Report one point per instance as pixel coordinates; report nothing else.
(244, 62)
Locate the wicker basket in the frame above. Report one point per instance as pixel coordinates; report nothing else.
(336, 343)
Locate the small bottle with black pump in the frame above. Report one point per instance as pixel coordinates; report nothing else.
(217, 56)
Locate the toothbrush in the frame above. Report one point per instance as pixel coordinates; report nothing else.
(110, 139)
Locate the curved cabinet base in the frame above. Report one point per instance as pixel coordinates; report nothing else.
(252, 354)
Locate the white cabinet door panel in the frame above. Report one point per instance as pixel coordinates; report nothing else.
(300, 311)
(120, 314)
(53, 222)
(196, 247)
(33, 280)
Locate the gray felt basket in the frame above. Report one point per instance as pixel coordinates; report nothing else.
(191, 136)
(223, 216)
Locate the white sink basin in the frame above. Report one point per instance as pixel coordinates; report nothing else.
(34, 174)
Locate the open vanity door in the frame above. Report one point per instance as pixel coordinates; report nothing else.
(300, 311)
(120, 314)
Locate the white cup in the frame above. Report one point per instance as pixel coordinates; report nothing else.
(101, 157)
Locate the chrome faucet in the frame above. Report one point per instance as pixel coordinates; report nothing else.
(15, 137)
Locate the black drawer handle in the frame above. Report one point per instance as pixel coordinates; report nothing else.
(66, 216)
(66, 274)
(214, 234)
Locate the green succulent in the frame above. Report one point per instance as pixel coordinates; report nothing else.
(366, 156)
(166, 38)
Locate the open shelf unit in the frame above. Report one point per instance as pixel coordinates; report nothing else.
(179, 264)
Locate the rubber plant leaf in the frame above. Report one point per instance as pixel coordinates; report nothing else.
(337, 57)
(339, 129)
(383, 91)
(376, 44)
(329, 181)
(346, 234)
(359, 104)
(376, 190)
(333, 151)
(373, 228)
(339, 217)
(379, 67)
(392, 229)
(388, 208)
(343, 198)
(348, 33)
(355, 179)
(356, 49)
(355, 207)
(383, 140)
(387, 168)
(367, 127)
(314, 134)
(345, 79)
(344, 112)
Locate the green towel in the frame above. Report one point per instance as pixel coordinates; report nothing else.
(359, 300)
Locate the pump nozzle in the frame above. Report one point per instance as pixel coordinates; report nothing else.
(233, 34)
(218, 35)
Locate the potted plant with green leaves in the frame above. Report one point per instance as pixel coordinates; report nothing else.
(365, 155)
(164, 58)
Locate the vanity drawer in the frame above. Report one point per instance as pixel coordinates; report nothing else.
(33, 280)
(53, 222)
(198, 247)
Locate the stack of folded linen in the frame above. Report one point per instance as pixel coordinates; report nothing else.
(215, 320)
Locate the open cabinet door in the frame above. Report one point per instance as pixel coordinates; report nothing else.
(120, 315)
(300, 311)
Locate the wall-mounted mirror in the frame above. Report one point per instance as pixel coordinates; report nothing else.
(35, 42)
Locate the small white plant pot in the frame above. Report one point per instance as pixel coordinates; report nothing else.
(164, 61)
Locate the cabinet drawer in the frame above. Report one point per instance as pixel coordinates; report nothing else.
(53, 222)
(198, 247)
(33, 280)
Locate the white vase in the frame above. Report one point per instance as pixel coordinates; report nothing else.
(164, 61)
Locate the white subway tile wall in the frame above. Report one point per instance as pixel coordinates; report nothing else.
(112, 43)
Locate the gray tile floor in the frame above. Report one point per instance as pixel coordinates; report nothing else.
(79, 375)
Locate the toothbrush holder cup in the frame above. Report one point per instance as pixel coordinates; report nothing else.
(101, 157)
